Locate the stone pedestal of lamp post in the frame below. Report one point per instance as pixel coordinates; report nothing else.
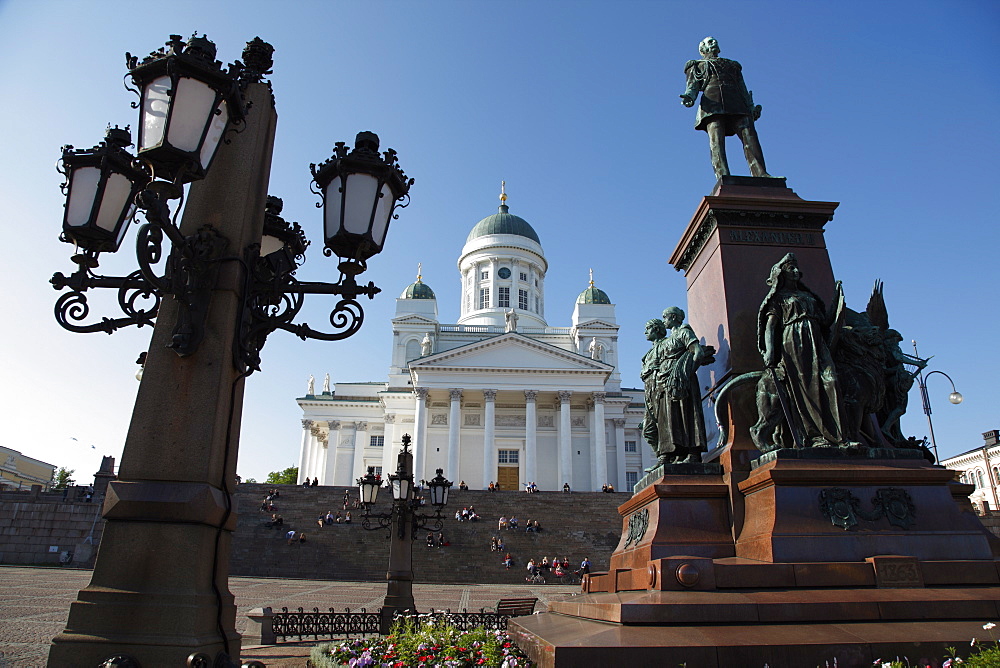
(160, 589)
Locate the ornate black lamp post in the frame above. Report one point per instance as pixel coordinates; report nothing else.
(159, 594)
(403, 520)
(955, 397)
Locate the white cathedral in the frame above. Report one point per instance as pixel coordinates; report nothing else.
(500, 396)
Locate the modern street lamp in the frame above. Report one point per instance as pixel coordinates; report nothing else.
(403, 520)
(159, 593)
(955, 397)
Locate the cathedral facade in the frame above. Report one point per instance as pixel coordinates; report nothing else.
(499, 396)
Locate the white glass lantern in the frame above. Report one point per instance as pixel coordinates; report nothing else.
(360, 191)
(439, 487)
(368, 487)
(402, 487)
(187, 101)
(101, 186)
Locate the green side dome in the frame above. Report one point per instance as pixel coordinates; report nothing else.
(593, 295)
(418, 290)
(503, 223)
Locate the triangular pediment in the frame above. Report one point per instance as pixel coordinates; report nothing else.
(413, 319)
(510, 352)
(596, 324)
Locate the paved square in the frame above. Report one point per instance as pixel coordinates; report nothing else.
(36, 602)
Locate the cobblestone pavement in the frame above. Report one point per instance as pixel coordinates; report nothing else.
(36, 602)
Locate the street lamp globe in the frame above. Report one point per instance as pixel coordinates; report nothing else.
(187, 101)
(101, 185)
(359, 190)
(368, 487)
(439, 487)
(955, 397)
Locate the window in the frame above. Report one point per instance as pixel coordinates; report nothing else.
(523, 276)
(484, 276)
(378, 470)
(629, 446)
(631, 479)
(522, 300)
(507, 456)
(484, 297)
(376, 441)
(536, 282)
(979, 479)
(503, 297)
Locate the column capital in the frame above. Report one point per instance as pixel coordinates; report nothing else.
(530, 395)
(489, 395)
(361, 426)
(618, 422)
(599, 397)
(307, 424)
(315, 430)
(389, 418)
(421, 392)
(324, 438)
(455, 394)
(333, 424)
(564, 396)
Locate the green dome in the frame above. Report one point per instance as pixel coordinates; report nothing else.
(503, 223)
(418, 290)
(593, 295)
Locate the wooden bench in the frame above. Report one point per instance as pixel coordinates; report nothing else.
(516, 607)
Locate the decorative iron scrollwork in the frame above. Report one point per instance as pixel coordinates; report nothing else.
(638, 523)
(843, 509)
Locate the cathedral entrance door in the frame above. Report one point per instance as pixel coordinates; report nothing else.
(507, 477)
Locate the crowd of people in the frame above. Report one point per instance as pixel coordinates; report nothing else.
(539, 571)
(467, 514)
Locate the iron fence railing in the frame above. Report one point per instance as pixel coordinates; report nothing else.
(317, 625)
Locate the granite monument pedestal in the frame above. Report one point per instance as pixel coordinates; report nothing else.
(793, 558)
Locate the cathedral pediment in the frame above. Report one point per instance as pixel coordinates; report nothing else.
(510, 352)
(414, 320)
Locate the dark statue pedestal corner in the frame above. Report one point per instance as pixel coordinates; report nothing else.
(656, 473)
(843, 453)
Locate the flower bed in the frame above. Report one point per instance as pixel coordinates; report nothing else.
(423, 642)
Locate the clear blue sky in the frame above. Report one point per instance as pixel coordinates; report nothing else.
(887, 107)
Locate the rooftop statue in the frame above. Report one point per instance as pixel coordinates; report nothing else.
(726, 107)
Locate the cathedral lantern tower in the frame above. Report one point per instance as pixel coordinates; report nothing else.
(503, 268)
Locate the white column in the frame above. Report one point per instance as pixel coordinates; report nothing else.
(530, 436)
(489, 434)
(316, 451)
(454, 430)
(332, 443)
(360, 443)
(600, 441)
(389, 447)
(621, 485)
(419, 427)
(494, 295)
(565, 440)
(304, 452)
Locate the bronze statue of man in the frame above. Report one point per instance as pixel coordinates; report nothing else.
(726, 107)
(674, 424)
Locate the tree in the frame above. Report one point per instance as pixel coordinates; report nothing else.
(250, 480)
(287, 477)
(63, 478)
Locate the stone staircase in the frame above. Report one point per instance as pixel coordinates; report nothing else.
(573, 525)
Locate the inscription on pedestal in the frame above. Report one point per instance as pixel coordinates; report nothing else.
(772, 237)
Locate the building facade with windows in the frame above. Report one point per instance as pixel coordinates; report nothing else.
(498, 396)
(980, 467)
(19, 471)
